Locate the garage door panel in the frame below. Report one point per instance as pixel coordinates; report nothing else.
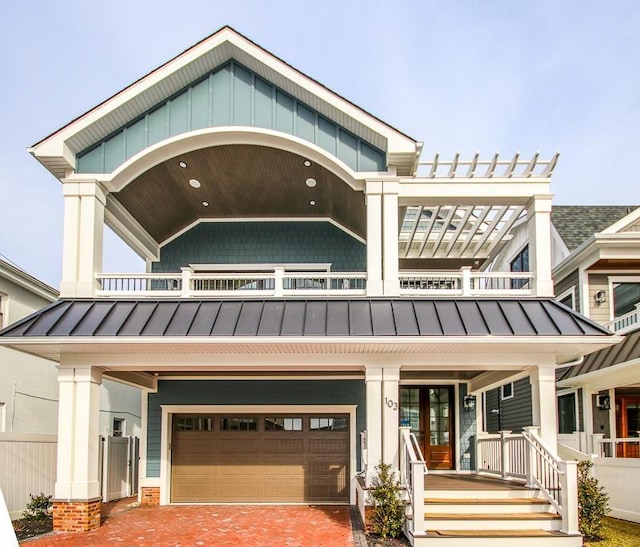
(260, 466)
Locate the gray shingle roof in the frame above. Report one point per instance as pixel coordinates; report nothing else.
(626, 350)
(299, 318)
(576, 223)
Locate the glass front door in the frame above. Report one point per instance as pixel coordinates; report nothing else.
(428, 410)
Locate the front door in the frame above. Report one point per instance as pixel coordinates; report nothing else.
(429, 412)
(628, 425)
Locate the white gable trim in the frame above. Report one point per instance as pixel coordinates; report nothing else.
(623, 223)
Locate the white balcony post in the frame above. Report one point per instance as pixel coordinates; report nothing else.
(373, 378)
(390, 276)
(78, 433)
(374, 238)
(466, 280)
(185, 291)
(597, 447)
(543, 401)
(539, 228)
(84, 204)
(569, 492)
(279, 281)
(531, 461)
(505, 453)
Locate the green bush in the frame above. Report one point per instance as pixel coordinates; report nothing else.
(593, 502)
(387, 512)
(38, 507)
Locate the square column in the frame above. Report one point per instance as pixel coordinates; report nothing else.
(373, 190)
(539, 229)
(76, 505)
(84, 204)
(373, 379)
(390, 239)
(391, 415)
(543, 402)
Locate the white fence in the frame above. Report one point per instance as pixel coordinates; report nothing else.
(27, 466)
(620, 478)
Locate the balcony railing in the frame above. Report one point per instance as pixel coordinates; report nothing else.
(466, 283)
(625, 323)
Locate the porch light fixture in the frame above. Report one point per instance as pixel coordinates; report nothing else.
(600, 297)
(310, 182)
(312, 202)
(194, 183)
(603, 402)
(182, 164)
(205, 203)
(307, 163)
(469, 402)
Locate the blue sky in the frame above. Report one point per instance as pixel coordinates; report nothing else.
(463, 76)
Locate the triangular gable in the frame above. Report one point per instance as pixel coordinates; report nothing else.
(628, 223)
(57, 151)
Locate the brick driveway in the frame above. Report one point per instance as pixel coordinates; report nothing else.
(238, 525)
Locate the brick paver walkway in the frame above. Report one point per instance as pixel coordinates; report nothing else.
(215, 525)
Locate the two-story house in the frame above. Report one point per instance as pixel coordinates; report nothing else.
(312, 285)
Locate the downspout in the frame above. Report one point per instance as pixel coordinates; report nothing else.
(577, 361)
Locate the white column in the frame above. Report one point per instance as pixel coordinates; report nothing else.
(543, 401)
(78, 430)
(391, 415)
(84, 204)
(390, 239)
(539, 228)
(374, 238)
(373, 378)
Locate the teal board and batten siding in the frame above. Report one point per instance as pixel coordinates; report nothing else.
(250, 392)
(230, 96)
(264, 243)
(514, 413)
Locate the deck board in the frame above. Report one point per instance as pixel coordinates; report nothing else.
(434, 481)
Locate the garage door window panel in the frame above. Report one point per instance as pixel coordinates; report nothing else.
(326, 423)
(239, 424)
(283, 424)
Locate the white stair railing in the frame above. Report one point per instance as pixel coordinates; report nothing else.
(412, 471)
(556, 479)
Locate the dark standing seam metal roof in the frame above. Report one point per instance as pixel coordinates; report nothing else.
(626, 350)
(576, 223)
(312, 317)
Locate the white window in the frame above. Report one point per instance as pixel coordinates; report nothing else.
(506, 391)
(118, 427)
(568, 298)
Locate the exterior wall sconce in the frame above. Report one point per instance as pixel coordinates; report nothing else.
(600, 297)
(469, 402)
(603, 402)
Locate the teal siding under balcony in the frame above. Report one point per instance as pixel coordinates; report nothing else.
(254, 392)
(264, 243)
(230, 96)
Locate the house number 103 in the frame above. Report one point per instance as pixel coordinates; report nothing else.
(393, 405)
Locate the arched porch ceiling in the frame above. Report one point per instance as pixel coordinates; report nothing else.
(238, 181)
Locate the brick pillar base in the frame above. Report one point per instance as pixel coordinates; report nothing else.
(76, 516)
(150, 495)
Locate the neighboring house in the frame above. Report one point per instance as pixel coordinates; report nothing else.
(311, 286)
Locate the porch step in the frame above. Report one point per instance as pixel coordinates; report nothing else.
(489, 505)
(496, 538)
(492, 521)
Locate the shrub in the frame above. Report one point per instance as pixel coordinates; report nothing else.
(387, 513)
(38, 507)
(593, 502)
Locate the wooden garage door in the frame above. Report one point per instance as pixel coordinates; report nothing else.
(260, 458)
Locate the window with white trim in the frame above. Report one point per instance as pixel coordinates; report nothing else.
(506, 391)
(568, 298)
(118, 427)
(625, 297)
(567, 422)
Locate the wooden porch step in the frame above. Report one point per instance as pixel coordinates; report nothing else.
(485, 501)
(496, 533)
(492, 516)
(496, 538)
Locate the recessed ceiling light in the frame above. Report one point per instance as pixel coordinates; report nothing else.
(312, 202)
(307, 163)
(195, 183)
(182, 164)
(310, 182)
(205, 203)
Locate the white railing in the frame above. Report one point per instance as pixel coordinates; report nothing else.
(524, 456)
(412, 471)
(619, 448)
(276, 283)
(466, 283)
(625, 323)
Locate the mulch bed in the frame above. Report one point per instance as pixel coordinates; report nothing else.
(376, 541)
(26, 529)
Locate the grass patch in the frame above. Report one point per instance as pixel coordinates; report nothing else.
(618, 533)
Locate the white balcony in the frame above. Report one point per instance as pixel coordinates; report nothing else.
(281, 283)
(625, 323)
